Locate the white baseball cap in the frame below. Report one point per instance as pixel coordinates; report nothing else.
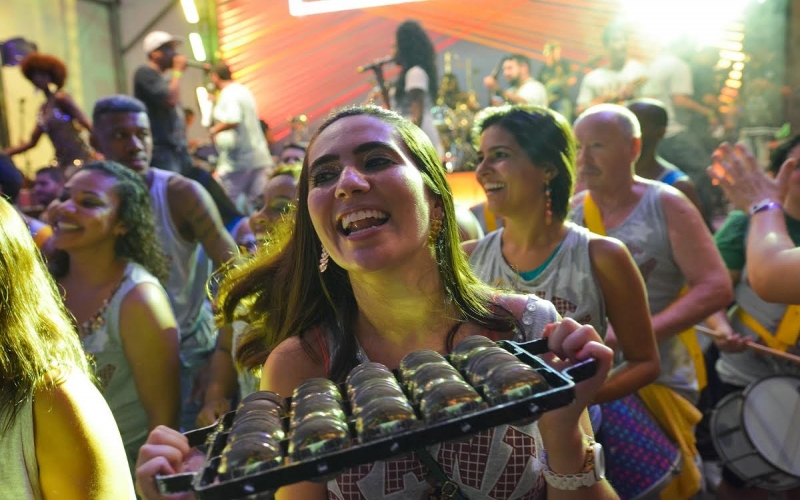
(156, 39)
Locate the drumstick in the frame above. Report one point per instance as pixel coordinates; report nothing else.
(752, 345)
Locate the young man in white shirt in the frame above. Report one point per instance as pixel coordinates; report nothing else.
(243, 151)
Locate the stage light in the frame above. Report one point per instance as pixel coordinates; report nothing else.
(704, 22)
(735, 75)
(190, 11)
(738, 66)
(734, 84)
(300, 8)
(198, 49)
(734, 46)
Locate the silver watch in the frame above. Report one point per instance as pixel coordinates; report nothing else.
(594, 470)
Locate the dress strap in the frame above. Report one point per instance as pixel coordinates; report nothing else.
(323, 348)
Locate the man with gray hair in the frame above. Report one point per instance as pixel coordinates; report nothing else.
(187, 222)
(685, 277)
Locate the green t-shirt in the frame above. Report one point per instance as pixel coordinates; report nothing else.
(731, 238)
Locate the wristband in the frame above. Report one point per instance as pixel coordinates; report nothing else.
(176, 73)
(594, 470)
(765, 204)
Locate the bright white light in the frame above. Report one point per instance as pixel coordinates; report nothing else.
(703, 21)
(300, 8)
(190, 11)
(198, 49)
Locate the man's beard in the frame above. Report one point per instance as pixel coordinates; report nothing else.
(514, 82)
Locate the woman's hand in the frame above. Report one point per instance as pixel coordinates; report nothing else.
(737, 172)
(166, 452)
(570, 343)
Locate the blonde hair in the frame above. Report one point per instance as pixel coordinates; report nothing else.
(37, 338)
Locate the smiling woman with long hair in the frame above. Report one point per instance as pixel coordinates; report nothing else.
(58, 438)
(372, 271)
(108, 263)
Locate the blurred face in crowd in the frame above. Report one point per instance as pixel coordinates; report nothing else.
(514, 72)
(125, 138)
(46, 189)
(291, 155)
(278, 198)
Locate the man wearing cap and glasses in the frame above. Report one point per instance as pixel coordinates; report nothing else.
(157, 85)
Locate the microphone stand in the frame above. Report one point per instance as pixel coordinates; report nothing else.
(382, 84)
(22, 132)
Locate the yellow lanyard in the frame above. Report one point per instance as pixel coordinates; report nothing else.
(594, 223)
(787, 333)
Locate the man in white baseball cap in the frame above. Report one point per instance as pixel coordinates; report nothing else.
(157, 84)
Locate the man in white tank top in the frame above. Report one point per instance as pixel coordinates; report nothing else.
(670, 243)
(187, 222)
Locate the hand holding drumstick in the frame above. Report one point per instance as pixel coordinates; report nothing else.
(738, 344)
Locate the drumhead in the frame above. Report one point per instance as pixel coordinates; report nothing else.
(770, 417)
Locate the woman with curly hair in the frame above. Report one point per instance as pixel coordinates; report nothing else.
(418, 83)
(108, 265)
(58, 438)
(59, 117)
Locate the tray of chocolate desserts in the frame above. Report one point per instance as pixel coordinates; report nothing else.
(323, 429)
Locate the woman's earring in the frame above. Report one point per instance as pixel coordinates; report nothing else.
(435, 231)
(548, 205)
(323, 261)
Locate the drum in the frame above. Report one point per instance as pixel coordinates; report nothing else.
(640, 458)
(756, 433)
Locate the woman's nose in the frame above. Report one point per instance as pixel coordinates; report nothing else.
(351, 181)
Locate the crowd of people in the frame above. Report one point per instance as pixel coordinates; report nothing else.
(149, 295)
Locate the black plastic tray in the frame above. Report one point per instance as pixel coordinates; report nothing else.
(206, 487)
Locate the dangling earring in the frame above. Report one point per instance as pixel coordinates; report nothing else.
(323, 261)
(548, 205)
(435, 231)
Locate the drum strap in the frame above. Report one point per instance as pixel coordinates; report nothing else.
(787, 333)
(678, 418)
(594, 223)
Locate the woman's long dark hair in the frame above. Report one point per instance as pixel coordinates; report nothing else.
(139, 244)
(414, 48)
(287, 295)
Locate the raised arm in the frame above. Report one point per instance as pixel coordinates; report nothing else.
(628, 312)
(772, 258)
(25, 146)
(707, 279)
(78, 447)
(150, 340)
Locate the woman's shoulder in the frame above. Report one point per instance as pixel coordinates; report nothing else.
(480, 244)
(293, 361)
(83, 445)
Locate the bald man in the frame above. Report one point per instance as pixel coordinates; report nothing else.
(653, 120)
(673, 248)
